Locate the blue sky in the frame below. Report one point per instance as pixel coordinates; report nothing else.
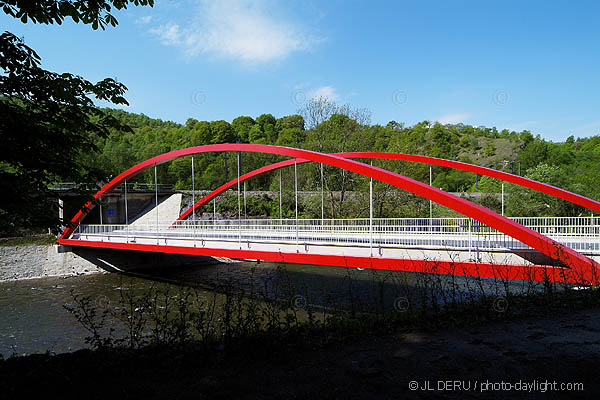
(510, 64)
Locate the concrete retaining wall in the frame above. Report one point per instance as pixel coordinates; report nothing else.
(26, 262)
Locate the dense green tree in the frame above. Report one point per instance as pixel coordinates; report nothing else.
(290, 122)
(489, 150)
(454, 180)
(49, 124)
(534, 152)
(222, 132)
(242, 125)
(265, 119)
(526, 202)
(201, 133)
(577, 163)
(266, 122)
(339, 133)
(291, 137)
(485, 184)
(256, 135)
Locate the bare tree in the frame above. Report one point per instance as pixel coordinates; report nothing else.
(315, 111)
(333, 129)
(318, 110)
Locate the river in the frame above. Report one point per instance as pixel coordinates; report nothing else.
(33, 319)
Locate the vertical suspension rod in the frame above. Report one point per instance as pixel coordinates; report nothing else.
(322, 198)
(503, 199)
(156, 201)
(371, 214)
(296, 188)
(430, 201)
(126, 215)
(194, 203)
(239, 201)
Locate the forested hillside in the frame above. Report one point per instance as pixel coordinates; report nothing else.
(573, 165)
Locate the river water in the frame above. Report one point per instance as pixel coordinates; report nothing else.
(33, 319)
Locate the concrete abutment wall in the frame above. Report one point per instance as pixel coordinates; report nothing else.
(40, 261)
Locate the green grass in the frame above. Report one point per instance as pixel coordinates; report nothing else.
(37, 240)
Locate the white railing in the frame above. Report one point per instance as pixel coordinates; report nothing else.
(579, 233)
(131, 186)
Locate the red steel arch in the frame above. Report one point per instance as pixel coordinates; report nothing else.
(518, 180)
(585, 268)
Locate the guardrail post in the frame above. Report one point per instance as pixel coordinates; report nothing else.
(156, 201)
(194, 204)
(239, 203)
(503, 199)
(323, 197)
(296, 188)
(126, 216)
(470, 244)
(430, 202)
(371, 214)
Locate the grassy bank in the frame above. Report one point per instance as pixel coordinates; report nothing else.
(35, 240)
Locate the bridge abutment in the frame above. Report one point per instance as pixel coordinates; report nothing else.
(42, 261)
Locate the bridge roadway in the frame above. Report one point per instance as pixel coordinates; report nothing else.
(444, 239)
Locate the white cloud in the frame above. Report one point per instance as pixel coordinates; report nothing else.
(453, 118)
(144, 20)
(238, 30)
(169, 34)
(325, 92)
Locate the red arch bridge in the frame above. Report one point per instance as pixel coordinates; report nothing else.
(483, 243)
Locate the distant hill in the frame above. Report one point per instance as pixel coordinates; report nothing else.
(573, 164)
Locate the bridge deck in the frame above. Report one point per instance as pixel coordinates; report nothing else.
(438, 238)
